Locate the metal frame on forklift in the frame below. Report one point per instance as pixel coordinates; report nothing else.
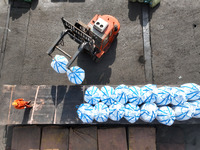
(85, 41)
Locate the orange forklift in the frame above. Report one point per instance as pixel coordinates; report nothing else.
(94, 38)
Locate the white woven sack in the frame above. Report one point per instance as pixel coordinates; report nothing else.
(164, 96)
(148, 112)
(192, 91)
(122, 92)
(184, 111)
(86, 113)
(76, 75)
(165, 115)
(149, 93)
(116, 111)
(92, 95)
(101, 112)
(132, 112)
(59, 63)
(196, 104)
(178, 96)
(134, 95)
(108, 95)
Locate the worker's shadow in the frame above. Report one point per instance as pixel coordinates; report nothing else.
(100, 72)
(20, 7)
(26, 116)
(136, 9)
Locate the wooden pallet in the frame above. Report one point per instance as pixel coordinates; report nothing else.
(83, 138)
(52, 105)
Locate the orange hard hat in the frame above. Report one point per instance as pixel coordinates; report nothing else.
(14, 103)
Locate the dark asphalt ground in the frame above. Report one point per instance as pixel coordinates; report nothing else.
(174, 39)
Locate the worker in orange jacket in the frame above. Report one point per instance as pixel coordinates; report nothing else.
(21, 103)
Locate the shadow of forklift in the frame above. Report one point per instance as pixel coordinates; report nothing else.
(152, 3)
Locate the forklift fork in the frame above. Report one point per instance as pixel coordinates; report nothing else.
(58, 41)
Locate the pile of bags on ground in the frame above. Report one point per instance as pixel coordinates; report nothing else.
(166, 104)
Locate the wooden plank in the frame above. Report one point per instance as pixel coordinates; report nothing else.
(52, 105)
(112, 139)
(83, 138)
(170, 146)
(142, 138)
(44, 107)
(26, 138)
(55, 138)
(67, 100)
(172, 138)
(22, 116)
(5, 103)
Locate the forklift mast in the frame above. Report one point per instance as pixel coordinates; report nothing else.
(78, 33)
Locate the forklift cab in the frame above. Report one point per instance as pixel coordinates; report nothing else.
(104, 29)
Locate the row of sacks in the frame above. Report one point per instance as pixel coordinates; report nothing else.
(149, 93)
(147, 112)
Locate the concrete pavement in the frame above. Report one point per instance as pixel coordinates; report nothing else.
(38, 27)
(175, 32)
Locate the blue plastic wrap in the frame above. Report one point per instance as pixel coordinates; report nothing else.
(116, 111)
(192, 91)
(132, 113)
(76, 75)
(108, 95)
(101, 112)
(165, 115)
(122, 92)
(148, 112)
(86, 113)
(92, 95)
(59, 64)
(134, 95)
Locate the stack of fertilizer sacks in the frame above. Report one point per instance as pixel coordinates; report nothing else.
(166, 104)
